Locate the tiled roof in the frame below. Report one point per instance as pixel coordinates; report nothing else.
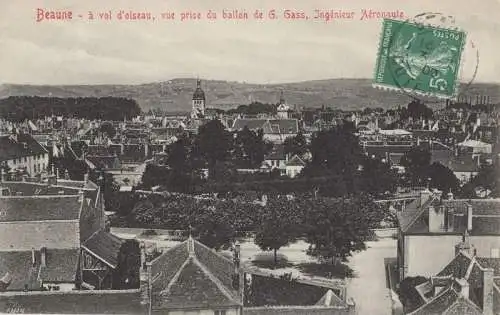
(448, 302)
(75, 302)
(461, 164)
(105, 246)
(276, 153)
(269, 126)
(35, 208)
(192, 275)
(17, 268)
(479, 206)
(457, 267)
(485, 219)
(412, 212)
(296, 161)
(34, 188)
(487, 262)
(330, 299)
(61, 265)
(193, 288)
(25, 145)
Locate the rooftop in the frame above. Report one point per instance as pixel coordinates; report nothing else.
(191, 274)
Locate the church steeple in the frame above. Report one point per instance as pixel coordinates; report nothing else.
(198, 101)
(282, 98)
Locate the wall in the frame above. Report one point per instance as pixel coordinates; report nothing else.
(297, 310)
(74, 302)
(30, 163)
(426, 255)
(37, 234)
(197, 312)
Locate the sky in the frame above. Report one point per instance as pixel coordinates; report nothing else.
(82, 51)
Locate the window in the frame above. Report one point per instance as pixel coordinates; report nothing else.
(220, 312)
(25, 159)
(495, 253)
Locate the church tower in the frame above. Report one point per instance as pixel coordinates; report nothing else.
(283, 109)
(198, 102)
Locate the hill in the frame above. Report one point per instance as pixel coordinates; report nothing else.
(175, 95)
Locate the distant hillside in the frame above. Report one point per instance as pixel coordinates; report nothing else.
(175, 95)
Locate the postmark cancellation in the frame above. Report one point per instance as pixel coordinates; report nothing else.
(419, 59)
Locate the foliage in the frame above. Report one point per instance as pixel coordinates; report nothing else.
(20, 108)
(338, 271)
(377, 177)
(126, 275)
(443, 178)
(416, 110)
(416, 161)
(408, 295)
(487, 178)
(213, 144)
(336, 227)
(254, 109)
(249, 148)
(108, 129)
(278, 225)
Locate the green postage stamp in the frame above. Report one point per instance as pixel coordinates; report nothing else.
(419, 59)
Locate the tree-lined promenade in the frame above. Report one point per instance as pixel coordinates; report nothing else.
(329, 204)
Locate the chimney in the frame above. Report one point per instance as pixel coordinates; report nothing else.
(33, 257)
(469, 217)
(143, 255)
(86, 178)
(236, 274)
(424, 196)
(43, 256)
(236, 256)
(464, 246)
(80, 196)
(488, 291)
(436, 219)
(464, 287)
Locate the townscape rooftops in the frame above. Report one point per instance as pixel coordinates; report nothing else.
(485, 215)
(467, 268)
(193, 275)
(19, 145)
(296, 161)
(17, 269)
(448, 302)
(104, 246)
(39, 208)
(61, 265)
(276, 153)
(269, 126)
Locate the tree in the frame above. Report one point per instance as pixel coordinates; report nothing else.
(296, 145)
(250, 147)
(335, 153)
(376, 177)
(213, 226)
(442, 178)
(416, 161)
(214, 144)
(336, 227)
(488, 178)
(278, 225)
(417, 110)
(126, 275)
(108, 129)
